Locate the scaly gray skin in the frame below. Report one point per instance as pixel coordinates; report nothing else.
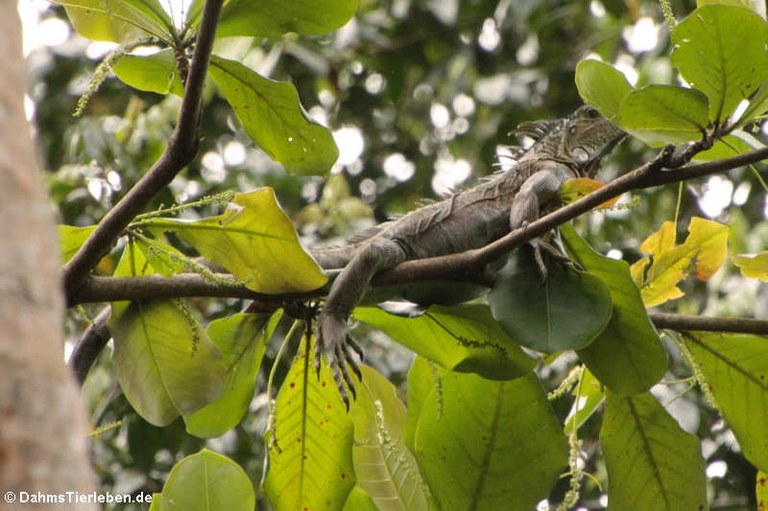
(565, 149)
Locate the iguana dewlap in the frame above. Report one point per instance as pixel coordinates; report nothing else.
(564, 149)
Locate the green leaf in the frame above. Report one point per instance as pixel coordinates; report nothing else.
(164, 361)
(310, 446)
(565, 310)
(720, 50)
(627, 356)
(274, 18)
(423, 380)
(651, 462)
(736, 369)
(242, 339)
(758, 104)
(119, 21)
(489, 444)
(602, 86)
(589, 395)
(664, 114)
(207, 481)
(358, 500)
(272, 116)
(463, 338)
(384, 466)
(154, 73)
(255, 241)
(71, 239)
(733, 144)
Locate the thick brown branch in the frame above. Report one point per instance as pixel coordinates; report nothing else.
(180, 151)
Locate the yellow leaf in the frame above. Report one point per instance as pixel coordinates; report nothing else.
(256, 242)
(579, 187)
(658, 274)
(753, 266)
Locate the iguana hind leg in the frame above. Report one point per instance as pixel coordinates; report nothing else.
(332, 331)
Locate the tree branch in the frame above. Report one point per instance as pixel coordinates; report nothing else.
(649, 175)
(683, 323)
(181, 150)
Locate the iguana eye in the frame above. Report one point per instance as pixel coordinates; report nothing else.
(572, 130)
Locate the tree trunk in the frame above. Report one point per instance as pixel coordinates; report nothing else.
(43, 439)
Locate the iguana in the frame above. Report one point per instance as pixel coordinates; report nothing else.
(563, 149)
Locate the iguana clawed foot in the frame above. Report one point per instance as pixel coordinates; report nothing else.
(333, 338)
(540, 248)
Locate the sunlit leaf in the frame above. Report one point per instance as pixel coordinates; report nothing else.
(566, 310)
(651, 462)
(71, 238)
(119, 21)
(310, 447)
(154, 73)
(272, 116)
(359, 500)
(628, 355)
(165, 363)
(207, 481)
(720, 50)
(736, 369)
(579, 187)
(737, 142)
(602, 86)
(753, 266)
(589, 396)
(273, 18)
(703, 252)
(464, 338)
(761, 490)
(485, 444)
(664, 114)
(255, 241)
(384, 466)
(242, 339)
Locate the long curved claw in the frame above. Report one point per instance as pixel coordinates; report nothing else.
(333, 337)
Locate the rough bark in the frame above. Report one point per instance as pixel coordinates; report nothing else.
(42, 427)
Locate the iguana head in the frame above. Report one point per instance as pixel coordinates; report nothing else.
(580, 140)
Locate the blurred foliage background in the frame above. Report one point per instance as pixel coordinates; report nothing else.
(421, 95)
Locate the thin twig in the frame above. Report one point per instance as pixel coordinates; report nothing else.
(181, 150)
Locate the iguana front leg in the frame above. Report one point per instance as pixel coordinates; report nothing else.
(540, 188)
(348, 289)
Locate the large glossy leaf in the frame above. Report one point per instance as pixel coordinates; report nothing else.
(165, 363)
(119, 21)
(702, 252)
(627, 356)
(272, 116)
(255, 241)
(736, 369)
(359, 500)
(720, 50)
(463, 338)
(664, 114)
(242, 339)
(310, 447)
(206, 481)
(154, 73)
(273, 18)
(602, 86)
(485, 444)
(652, 463)
(567, 309)
(384, 466)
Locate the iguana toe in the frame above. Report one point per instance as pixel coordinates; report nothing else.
(334, 339)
